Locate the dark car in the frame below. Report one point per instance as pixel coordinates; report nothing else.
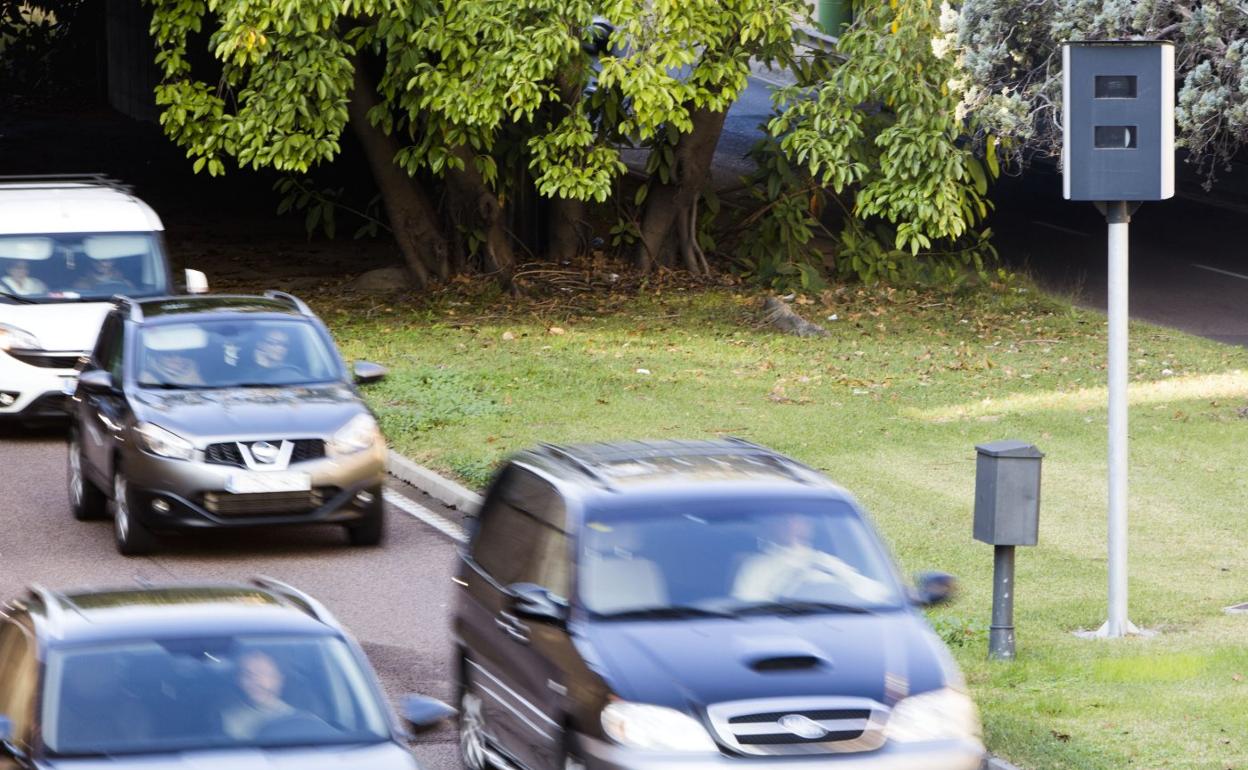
(695, 605)
(223, 411)
(244, 677)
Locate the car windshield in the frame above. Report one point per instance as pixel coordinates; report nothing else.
(737, 558)
(208, 693)
(233, 353)
(80, 267)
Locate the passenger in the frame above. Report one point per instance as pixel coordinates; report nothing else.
(791, 567)
(260, 682)
(19, 281)
(104, 275)
(170, 367)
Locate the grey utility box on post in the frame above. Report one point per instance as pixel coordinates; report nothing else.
(1007, 493)
(1118, 120)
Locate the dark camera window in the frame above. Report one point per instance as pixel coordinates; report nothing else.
(1115, 86)
(1115, 137)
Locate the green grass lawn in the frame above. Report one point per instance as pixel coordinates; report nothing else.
(891, 406)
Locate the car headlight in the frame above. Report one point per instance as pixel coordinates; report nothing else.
(159, 441)
(934, 716)
(654, 728)
(356, 436)
(13, 338)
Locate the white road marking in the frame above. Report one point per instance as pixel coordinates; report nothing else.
(418, 511)
(1060, 229)
(1223, 272)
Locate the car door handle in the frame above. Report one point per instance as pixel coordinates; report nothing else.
(509, 624)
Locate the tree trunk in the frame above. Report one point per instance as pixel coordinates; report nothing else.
(413, 217)
(485, 211)
(567, 223)
(669, 221)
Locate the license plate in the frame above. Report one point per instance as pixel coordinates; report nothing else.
(257, 483)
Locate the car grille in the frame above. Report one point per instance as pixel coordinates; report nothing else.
(228, 453)
(836, 726)
(267, 503)
(45, 359)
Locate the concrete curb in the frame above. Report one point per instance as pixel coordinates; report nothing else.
(435, 485)
(466, 501)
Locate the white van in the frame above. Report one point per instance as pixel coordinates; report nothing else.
(68, 244)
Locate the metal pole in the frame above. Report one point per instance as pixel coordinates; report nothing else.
(1118, 217)
(1001, 633)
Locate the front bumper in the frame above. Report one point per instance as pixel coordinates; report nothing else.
(31, 392)
(934, 755)
(170, 494)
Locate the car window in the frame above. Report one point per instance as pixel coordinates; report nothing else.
(206, 693)
(732, 556)
(513, 545)
(18, 680)
(83, 266)
(233, 353)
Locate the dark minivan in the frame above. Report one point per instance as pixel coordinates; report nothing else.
(706, 604)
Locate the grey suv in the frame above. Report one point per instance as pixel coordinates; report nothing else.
(253, 676)
(222, 411)
(708, 605)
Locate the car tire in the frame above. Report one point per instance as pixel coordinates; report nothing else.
(473, 744)
(132, 538)
(86, 501)
(371, 529)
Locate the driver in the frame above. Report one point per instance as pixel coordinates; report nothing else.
(271, 349)
(260, 682)
(19, 281)
(170, 367)
(104, 273)
(790, 564)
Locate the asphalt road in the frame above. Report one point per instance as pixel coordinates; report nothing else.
(394, 599)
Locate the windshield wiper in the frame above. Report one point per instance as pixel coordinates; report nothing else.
(666, 613)
(173, 386)
(799, 607)
(18, 299)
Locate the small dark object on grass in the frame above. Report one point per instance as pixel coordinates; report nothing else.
(778, 314)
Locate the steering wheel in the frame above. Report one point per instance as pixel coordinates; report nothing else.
(298, 726)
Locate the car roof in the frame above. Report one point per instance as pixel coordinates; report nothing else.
(34, 206)
(175, 611)
(194, 305)
(641, 466)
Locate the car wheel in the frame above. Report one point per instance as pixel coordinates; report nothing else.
(133, 539)
(370, 530)
(474, 747)
(86, 501)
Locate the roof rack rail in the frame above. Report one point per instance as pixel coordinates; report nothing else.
(298, 304)
(308, 604)
(747, 443)
(136, 309)
(62, 181)
(51, 605)
(563, 454)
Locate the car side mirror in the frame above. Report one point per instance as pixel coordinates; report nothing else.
(196, 282)
(423, 714)
(367, 372)
(933, 588)
(97, 381)
(532, 602)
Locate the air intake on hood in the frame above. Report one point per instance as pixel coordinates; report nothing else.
(786, 663)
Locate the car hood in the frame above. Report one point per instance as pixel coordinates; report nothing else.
(695, 663)
(250, 413)
(387, 756)
(59, 326)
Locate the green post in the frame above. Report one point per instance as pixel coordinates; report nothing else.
(835, 14)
